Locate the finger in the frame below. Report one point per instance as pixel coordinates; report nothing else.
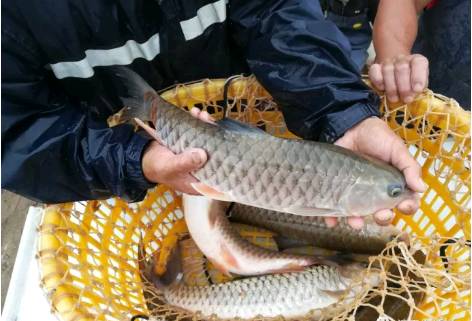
(331, 221)
(419, 73)
(375, 76)
(388, 73)
(355, 222)
(402, 80)
(409, 206)
(383, 217)
(188, 161)
(195, 112)
(206, 117)
(410, 168)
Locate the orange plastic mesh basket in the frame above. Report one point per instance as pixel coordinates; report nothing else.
(87, 251)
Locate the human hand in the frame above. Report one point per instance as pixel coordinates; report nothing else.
(161, 165)
(402, 77)
(372, 137)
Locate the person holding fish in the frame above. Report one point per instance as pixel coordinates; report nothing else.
(59, 87)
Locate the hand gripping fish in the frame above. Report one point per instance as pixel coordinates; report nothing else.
(248, 166)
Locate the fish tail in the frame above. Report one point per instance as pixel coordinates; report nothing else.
(135, 94)
(173, 274)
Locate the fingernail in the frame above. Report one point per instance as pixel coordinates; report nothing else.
(356, 222)
(393, 99)
(418, 87)
(386, 217)
(196, 158)
(408, 99)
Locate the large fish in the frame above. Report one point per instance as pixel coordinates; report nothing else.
(226, 249)
(290, 295)
(370, 239)
(248, 166)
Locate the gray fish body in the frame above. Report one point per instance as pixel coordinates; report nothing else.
(370, 239)
(257, 169)
(248, 166)
(289, 295)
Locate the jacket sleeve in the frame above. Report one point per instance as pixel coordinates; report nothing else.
(303, 60)
(51, 150)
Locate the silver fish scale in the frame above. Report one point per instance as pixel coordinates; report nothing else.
(269, 295)
(260, 169)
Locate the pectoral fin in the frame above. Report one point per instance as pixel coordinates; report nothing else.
(210, 192)
(291, 267)
(226, 262)
(337, 295)
(152, 132)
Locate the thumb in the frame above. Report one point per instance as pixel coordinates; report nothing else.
(410, 168)
(188, 161)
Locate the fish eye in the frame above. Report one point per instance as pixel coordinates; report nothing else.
(395, 190)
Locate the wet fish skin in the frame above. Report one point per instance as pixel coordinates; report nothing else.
(263, 239)
(290, 295)
(339, 257)
(248, 166)
(226, 249)
(370, 239)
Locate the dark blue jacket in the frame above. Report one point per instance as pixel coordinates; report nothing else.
(56, 145)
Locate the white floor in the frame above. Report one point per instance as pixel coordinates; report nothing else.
(25, 300)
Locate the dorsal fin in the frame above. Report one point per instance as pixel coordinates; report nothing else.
(237, 126)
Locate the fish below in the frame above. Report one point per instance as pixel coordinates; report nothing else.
(248, 166)
(370, 239)
(226, 249)
(290, 295)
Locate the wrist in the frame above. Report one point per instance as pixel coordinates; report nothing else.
(147, 161)
(134, 178)
(351, 133)
(337, 124)
(392, 55)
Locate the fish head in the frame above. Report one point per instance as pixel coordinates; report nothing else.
(380, 186)
(173, 274)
